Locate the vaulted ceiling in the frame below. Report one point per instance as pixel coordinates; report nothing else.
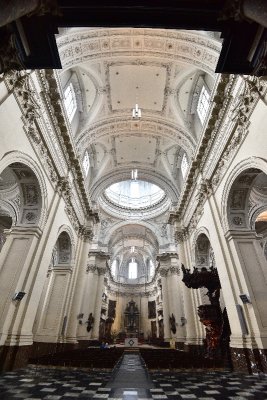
(163, 71)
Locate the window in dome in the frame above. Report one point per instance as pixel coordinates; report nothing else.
(134, 194)
(132, 269)
(70, 101)
(203, 104)
(86, 163)
(184, 165)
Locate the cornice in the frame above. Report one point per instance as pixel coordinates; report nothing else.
(117, 126)
(174, 45)
(51, 86)
(223, 100)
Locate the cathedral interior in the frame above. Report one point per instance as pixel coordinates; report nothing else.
(133, 181)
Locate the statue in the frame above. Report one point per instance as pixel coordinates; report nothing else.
(131, 314)
(173, 324)
(161, 324)
(90, 322)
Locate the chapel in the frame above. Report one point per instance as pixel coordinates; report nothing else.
(133, 178)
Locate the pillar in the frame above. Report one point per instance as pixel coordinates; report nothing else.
(100, 261)
(188, 319)
(165, 261)
(78, 284)
(176, 299)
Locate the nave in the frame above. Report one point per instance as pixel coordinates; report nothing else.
(130, 380)
(133, 184)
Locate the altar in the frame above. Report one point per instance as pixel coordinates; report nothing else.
(131, 319)
(131, 342)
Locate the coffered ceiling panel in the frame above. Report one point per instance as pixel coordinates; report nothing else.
(131, 84)
(135, 149)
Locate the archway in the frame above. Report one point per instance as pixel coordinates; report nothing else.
(245, 207)
(52, 315)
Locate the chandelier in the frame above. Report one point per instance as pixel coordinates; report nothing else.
(136, 110)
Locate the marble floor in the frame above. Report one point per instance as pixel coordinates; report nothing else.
(130, 381)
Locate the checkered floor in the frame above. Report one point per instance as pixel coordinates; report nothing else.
(58, 383)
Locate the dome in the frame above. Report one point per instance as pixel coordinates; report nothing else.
(134, 194)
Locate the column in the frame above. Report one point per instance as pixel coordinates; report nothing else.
(15, 266)
(100, 261)
(176, 300)
(88, 300)
(78, 284)
(165, 263)
(243, 272)
(188, 319)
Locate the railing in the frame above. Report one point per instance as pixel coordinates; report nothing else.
(131, 202)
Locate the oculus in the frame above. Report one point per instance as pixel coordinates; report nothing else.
(134, 194)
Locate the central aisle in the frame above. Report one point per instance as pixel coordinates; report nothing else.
(131, 380)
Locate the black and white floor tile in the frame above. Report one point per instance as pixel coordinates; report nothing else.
(63, 384)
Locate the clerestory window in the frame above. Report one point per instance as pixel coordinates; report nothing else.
(132, 270)
(184, 165)
(203, 104)
(70, 101)
(86, 163)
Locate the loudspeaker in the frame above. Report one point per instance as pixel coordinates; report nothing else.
(245, 299)
(18, 296)
(242, 320)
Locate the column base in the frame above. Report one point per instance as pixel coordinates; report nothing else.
(194, 349)
(44, 348)
(180, 345)
(14, 357)
(88, 343)
(249, 360)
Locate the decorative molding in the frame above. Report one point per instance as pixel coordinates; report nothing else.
(254, 90)
(91, 268)
(9, 58)
(163, 272)
(174, 270)
(86, 233)
(101, 271)
(148, 126)
(177, 46)
(52, 89)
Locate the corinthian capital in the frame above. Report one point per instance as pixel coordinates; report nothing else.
(101, 271)
(163, 272)
(86, 233)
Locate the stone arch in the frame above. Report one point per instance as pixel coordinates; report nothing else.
(24, 192)
(68, 231)
(64, 249)
(122, 224)
(123, 174)
(151, 127)
(182, 46)
(239, 208)
(203, 255)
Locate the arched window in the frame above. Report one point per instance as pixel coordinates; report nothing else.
(184, 165)
(203, 104)
(70, 101)
(86, 163)
(151, 269)
(132, 269)
(114, 267)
